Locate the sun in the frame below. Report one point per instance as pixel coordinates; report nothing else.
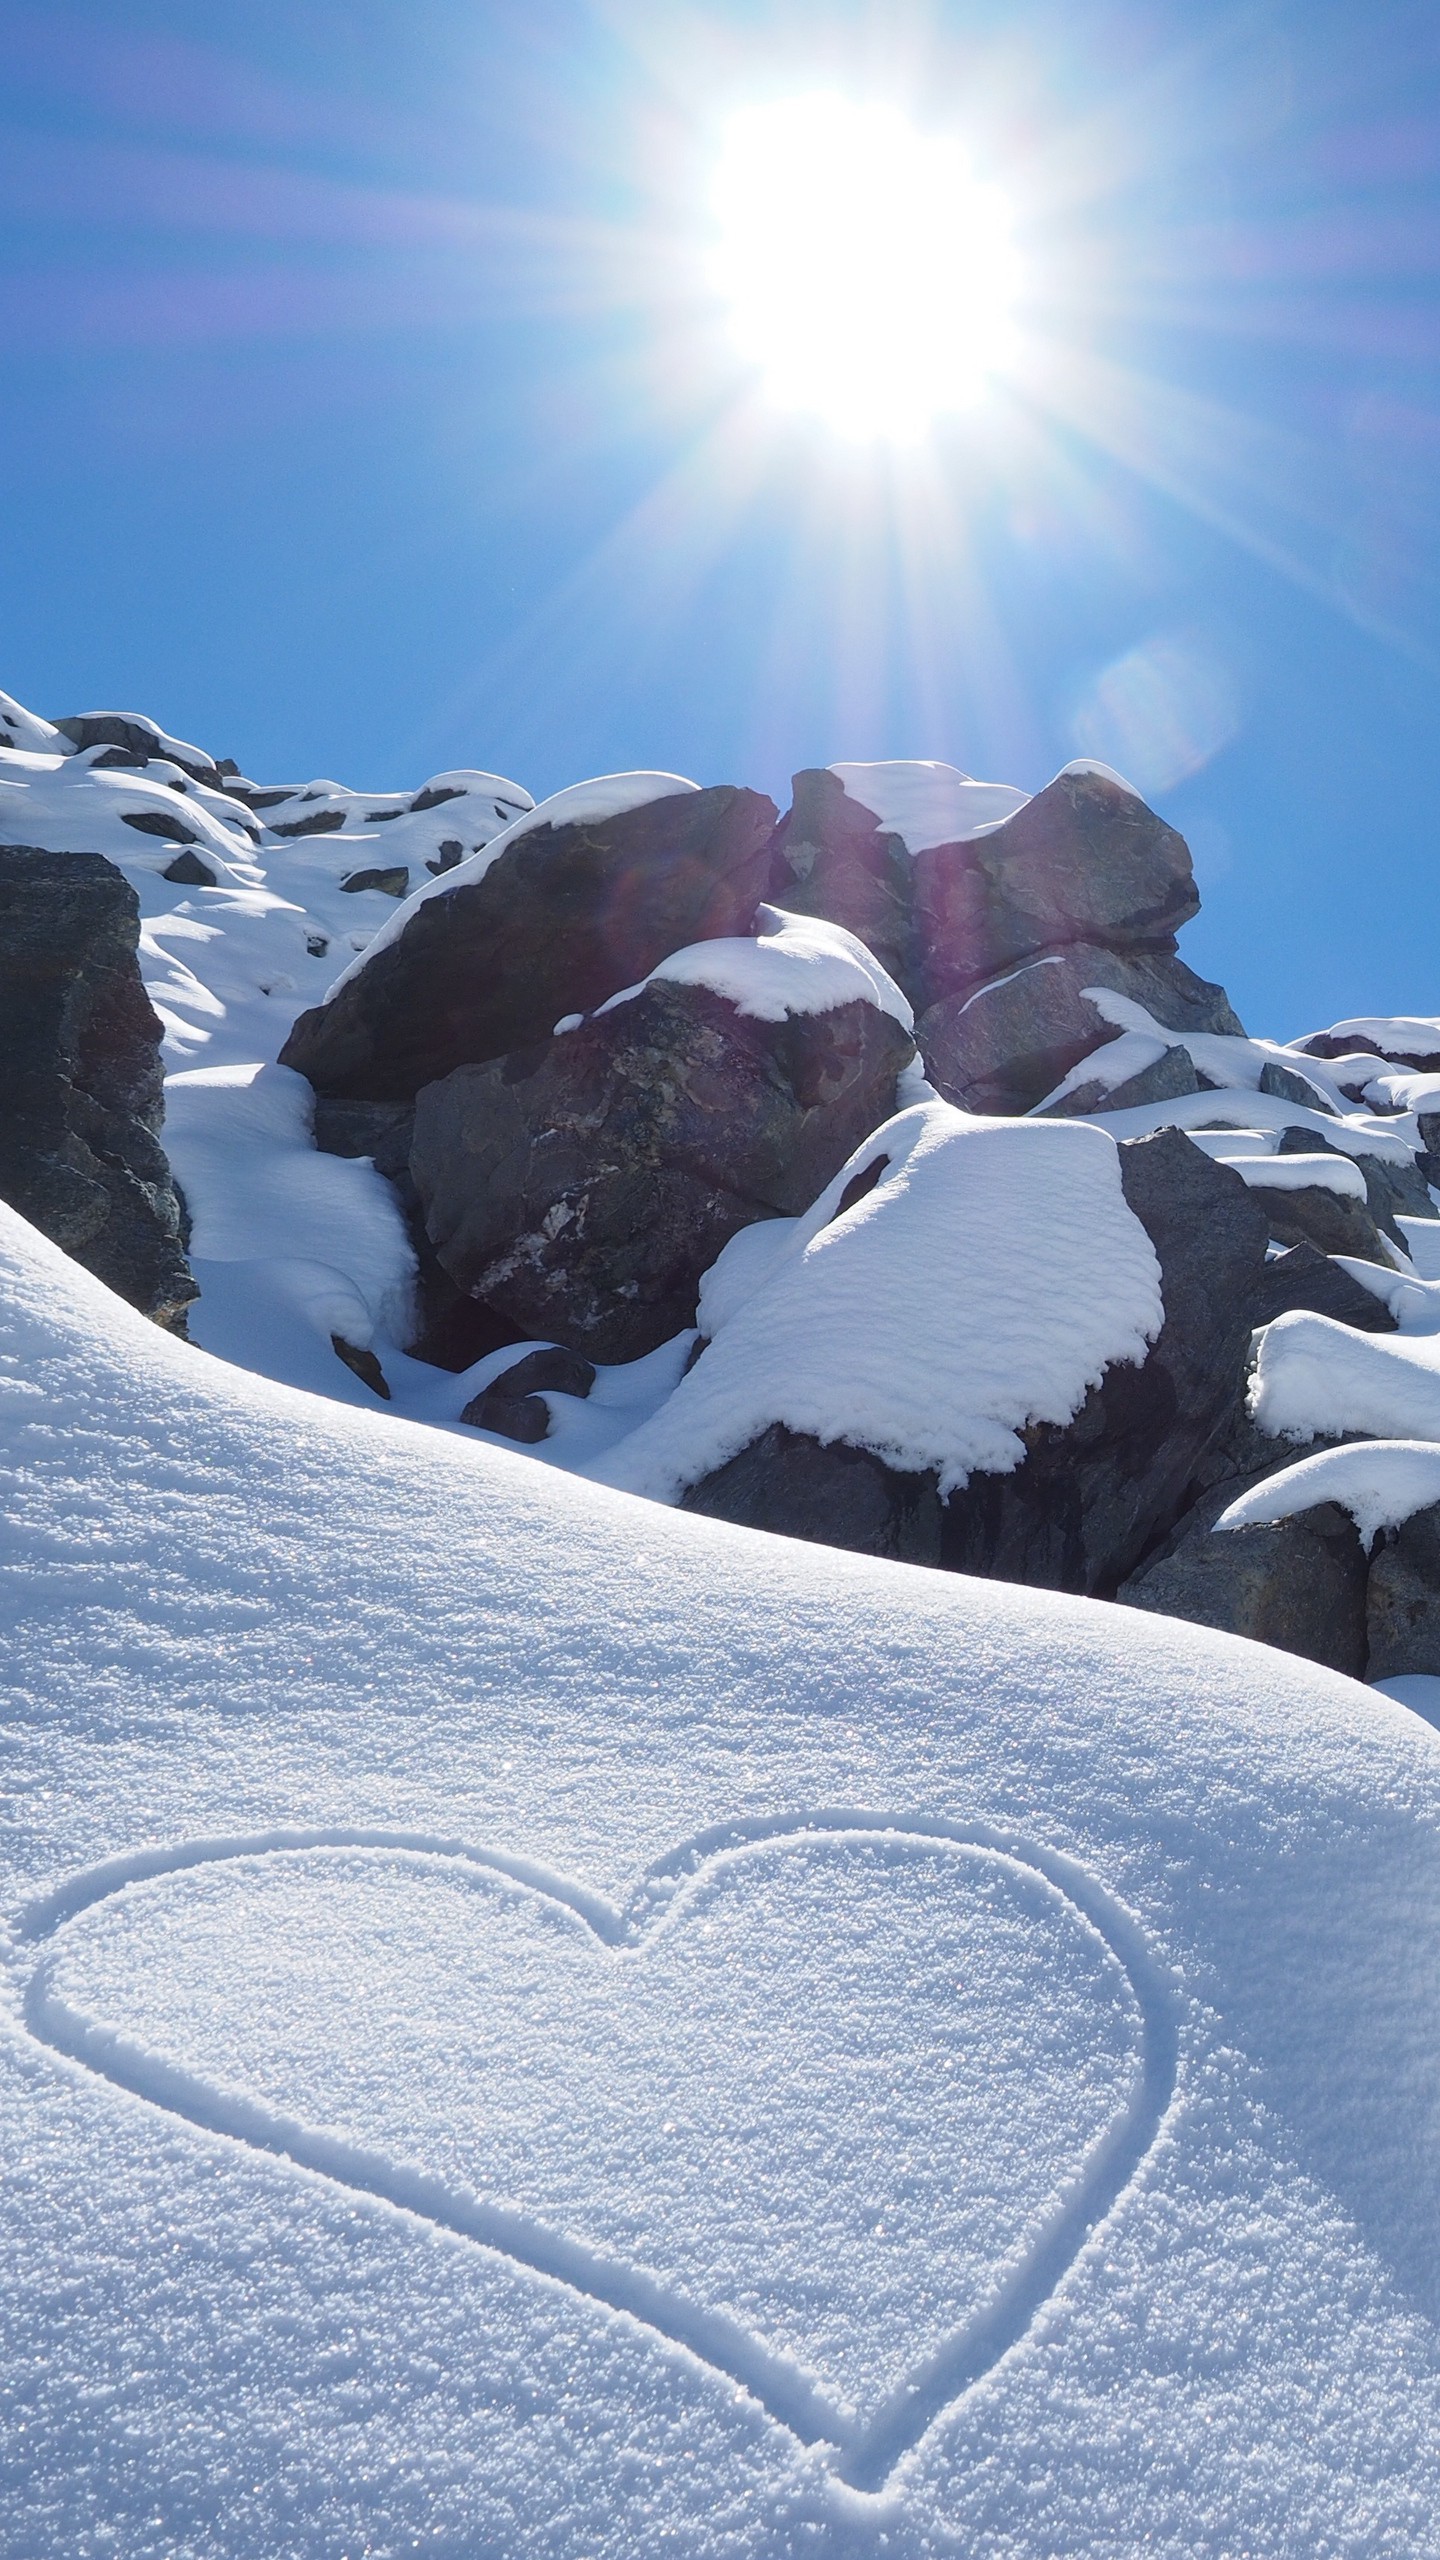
(871, 278)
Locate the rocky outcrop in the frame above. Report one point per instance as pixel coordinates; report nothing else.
(559, 920)
(1005, 1046)
(581, 1188)
(1093, 1494)
(80, 1061)
(831, 857)
(1298, 1583)
(1305, 1278)
(1402, 1603)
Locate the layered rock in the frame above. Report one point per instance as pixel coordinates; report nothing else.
(581, 1188)
(80, 1056)
(1004, 1046)
(552, 924)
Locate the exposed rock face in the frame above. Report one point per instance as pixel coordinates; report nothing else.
(831, 1494)
(1305, 1278)
(1298, 1583)
(1403, 1598)
(1329, 1221)
(564, 917)
(1085, 861)
(1093, 1493)
(137, 740)
(1004, 1046)
(832, 858)
(582, 1188)
(80, 1049)
(1171, 1076)
(514, 1403)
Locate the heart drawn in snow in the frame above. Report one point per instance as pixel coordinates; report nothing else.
(832, 2102)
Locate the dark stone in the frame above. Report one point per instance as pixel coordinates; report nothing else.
(321, 822)
(1003, 1047)
(522, 1418)
(395, 881)
(1403, 1598)
(1093, 1494)
(1287, 1086)
(1168, 1079)
(454, 1331)
(1297, 1583)
(583, 1187)
(514, 1403)
(189, 872)
(1084, 861)
(832, 858)
(558, 922)
(80, 1061)
(159, 822)
(1325, 1219)
(434, 797)
(450, 852)
(553, 1370)
(364, 1363)
(832, 1494)
(380, 1130)
(1306, 1278)
(1358, 1044)
(139, 738)
(1428, 1123)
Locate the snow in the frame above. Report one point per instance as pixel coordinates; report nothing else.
(1394, 1035)
(1418, 1690)
(1381, 1483)
(986, 1280)
(1223, 1059)
(928, 804)
(609, 795)
(1298, 1173)
(792, 965)
(531, 2018)
(1314, 1377)
(1358, 1134)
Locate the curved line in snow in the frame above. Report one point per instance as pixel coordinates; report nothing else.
(865, 2454)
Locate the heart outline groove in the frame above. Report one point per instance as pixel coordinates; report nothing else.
(863, 2454)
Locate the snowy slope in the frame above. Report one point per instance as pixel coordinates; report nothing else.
(541, 2025)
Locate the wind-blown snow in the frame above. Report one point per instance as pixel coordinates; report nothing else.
(928, 804)
(792, 965)
(524, 2008)
(989, 1277)
(1381, 1483)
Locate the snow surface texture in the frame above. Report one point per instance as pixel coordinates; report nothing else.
(809, 1329)
(534, 2018)
(1379, 1482)
(793, 965)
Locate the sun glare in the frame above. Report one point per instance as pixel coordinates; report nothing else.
(871, 278)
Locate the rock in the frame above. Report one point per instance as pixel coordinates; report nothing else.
(140, 739)
(80, 1059)
(1287, 1086)
(832, 858)
(1298, 1583)
(394, 880)
(189, 872)
(320, 822)
(514, 1403)
(1003, 1047)
(834, 1495)
(1306, 1278)
(1085, 861)
(582, 1187)
(1402, 1605)
(1392, 1189)
(559, 921)
(363, 1362)
(1095, 1493)
(159, 822)
(1331, 1221)
(1171, 1076)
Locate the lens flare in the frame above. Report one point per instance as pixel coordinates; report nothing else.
(871, 278)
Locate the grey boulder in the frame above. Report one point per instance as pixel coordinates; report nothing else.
(1004, 1046)
(832, 858)
(563, 918)
(581, 1188)
(80, 1058)
(1403, 1598)
(1297, 1583)
(1085, 861)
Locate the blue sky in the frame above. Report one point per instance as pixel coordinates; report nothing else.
(365, 412)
